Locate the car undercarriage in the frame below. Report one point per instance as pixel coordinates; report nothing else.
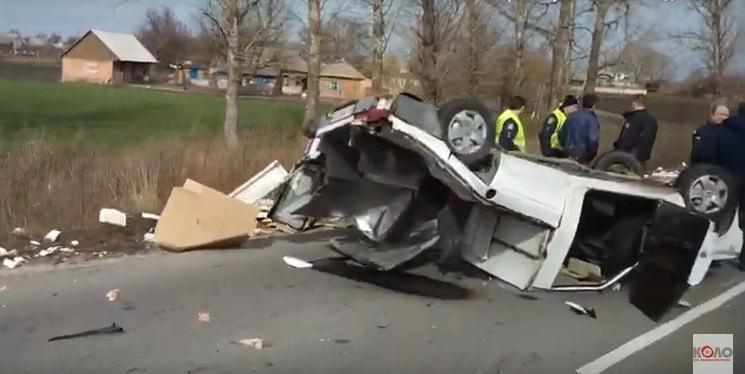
(399, 173)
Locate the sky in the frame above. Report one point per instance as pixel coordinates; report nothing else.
(74, 17)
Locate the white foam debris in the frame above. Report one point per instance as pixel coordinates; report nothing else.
(52, 236)
(113, 217)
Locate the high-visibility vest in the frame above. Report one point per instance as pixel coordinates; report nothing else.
(561, 118)
(520, 136)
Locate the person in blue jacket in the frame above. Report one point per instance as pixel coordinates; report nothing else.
(580, 136)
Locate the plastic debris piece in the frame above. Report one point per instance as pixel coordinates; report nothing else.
(579, 309)
(66, 250)
(52, 236)
(35, 243)
(297, 263)
(74, 243)
(4, 252)
(113, 295)
(18, 231)
(203, 317)
(616, 287)
(13, 263)
(150, 216)
(113, 217)
(149, 237)
(684, 303)
(254, 343)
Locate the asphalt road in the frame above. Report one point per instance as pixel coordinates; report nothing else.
(317, 322)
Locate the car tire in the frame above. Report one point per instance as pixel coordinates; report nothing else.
(618, 162)
(468, 128)
(710, 191)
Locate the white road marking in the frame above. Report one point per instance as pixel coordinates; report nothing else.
(632, 346)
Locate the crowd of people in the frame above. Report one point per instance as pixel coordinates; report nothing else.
(572, 130)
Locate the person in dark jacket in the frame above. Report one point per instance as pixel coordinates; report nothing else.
(580, 136)
(731, 156)
(639, 132)
(549, 135)
(705, 148)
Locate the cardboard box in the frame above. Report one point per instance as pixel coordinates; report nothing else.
(199, 217)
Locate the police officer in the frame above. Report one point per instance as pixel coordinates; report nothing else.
(705, 148)
(549, 135)
(510, 131)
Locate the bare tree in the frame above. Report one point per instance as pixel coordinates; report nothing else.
(560, 52)
(645, 63)
(245, 27)
(342, 37)
(379, 8)
(601, 25)
(715, 39)
(314, 61)
(436, 26)
(165, 35)
(475, 33)
(525, 16)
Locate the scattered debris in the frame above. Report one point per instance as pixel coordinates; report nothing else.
(296, 262)
(47, 252)
(74, 243)
(149, 237)
(113, 329)
(52, 236)
(151, 216)
(616, 287)
(12, 264)
(113, 217)
(583, 270)
(197, 216)
(261, 184)
(684, 303)
(113, 295)
(6, 253)
(66, 250)
(579, 309)
(18, 231)
(35, 243)
(203, 317)
(254, 343)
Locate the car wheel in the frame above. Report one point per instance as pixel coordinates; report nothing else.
(708, 190)
(468, 128)
(618, 162)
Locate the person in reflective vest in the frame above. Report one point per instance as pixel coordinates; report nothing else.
(510, 132)
(549, 135)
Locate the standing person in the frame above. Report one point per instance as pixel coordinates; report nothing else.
(549, 135)
(731, 156)
(705, 147)
(639, 132)
(580, 136)
(510, 132)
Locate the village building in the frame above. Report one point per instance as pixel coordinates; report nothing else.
(106, 58)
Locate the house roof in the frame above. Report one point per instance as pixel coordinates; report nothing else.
(8, 38)
(125, 47)
(341, 70)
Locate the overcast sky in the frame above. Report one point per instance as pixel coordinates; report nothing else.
(74, 17)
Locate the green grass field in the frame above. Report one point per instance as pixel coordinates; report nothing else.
(115, 116)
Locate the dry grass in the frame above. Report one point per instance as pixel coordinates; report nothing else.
(50, 185)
